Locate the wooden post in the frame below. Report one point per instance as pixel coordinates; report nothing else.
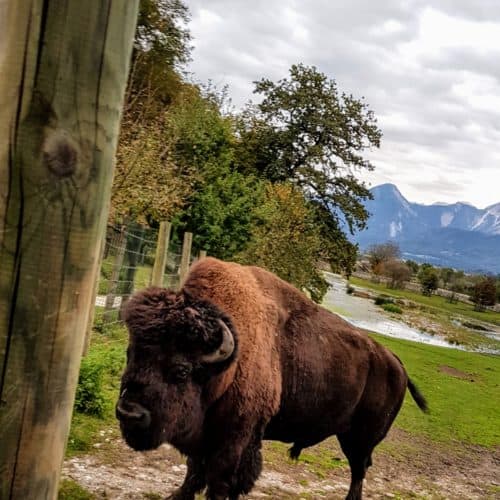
(186, 256)
(90, 321)
(63, 70)
(203, 254)
(161, 254)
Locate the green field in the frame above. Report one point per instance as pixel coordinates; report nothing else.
(462, 389)
(434, 301)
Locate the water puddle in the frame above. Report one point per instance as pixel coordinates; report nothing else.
(365, 314)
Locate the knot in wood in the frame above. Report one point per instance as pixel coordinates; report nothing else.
(60, 154)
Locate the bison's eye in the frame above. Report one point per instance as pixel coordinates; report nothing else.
(179, 373)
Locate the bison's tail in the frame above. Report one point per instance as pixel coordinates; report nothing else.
(417, 396)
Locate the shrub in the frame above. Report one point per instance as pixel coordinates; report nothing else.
(398, 272)
(484, 293)
(89, 392)
(393, 308)
(383, 299)
(429, 279)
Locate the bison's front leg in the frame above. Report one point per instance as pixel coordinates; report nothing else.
(193, 483)
(222, 469)
(233, 469)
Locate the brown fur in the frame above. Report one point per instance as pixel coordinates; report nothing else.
(299, 374)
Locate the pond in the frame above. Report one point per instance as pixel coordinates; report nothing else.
(365, 314)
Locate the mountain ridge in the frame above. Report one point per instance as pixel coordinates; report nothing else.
(456, 234)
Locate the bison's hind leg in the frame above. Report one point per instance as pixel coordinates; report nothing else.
(359, 455)
(294, 451)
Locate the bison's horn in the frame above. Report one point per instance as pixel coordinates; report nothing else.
(225, 349)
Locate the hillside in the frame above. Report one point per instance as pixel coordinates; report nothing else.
(457, 235)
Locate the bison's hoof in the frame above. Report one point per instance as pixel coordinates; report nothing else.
(180, 495)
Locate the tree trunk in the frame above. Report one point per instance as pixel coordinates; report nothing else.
(63, 69)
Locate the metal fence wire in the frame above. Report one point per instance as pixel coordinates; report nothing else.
(127, 266)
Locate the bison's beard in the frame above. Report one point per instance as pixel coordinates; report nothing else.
(140, 439)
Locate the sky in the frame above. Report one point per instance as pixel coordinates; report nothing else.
(430, 71)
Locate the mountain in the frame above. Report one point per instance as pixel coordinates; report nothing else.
(457, 235)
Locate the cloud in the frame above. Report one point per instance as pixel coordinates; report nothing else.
(429, 71)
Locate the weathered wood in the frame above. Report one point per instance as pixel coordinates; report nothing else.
(203, 254)
(90, 321)
(63, 68)
(185, 257)
(161, 254)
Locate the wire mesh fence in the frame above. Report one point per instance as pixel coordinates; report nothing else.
(127, 266)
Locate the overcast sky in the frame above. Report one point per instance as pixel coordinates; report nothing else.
(430, 70)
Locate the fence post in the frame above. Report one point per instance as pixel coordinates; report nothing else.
(90, 321)
(63, 72)
(186, 257)
(161, 254)
(203, 254)
(121, 243)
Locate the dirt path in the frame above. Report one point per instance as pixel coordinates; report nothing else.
(403, 468)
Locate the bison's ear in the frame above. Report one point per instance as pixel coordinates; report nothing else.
(148, 308)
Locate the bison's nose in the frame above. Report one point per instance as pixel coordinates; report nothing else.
(133, 414)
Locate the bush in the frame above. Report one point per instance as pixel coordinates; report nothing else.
(429, 279)
(484, 293)
(383, 299)
(89, 392)
(393, 308)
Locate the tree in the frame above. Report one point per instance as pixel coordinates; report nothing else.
(398, 272)
(161, 31)
(219, 210)
(149, 185)
(446, 275)
(305, 131)
(456, 284)
(429, 279)
(287, 241)
(414, 267)
(162, 46)
(380, 254)
(220, 214)
(484, 293)
(63, 73)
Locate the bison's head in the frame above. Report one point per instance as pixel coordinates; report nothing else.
(177, 345)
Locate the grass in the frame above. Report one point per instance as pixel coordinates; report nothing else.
(109, 350)
(392, 308)
(142, 277)
(71, 490)
(461, 409)
(319, 460)
(434, 301)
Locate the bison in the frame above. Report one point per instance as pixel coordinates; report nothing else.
(238, 356)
